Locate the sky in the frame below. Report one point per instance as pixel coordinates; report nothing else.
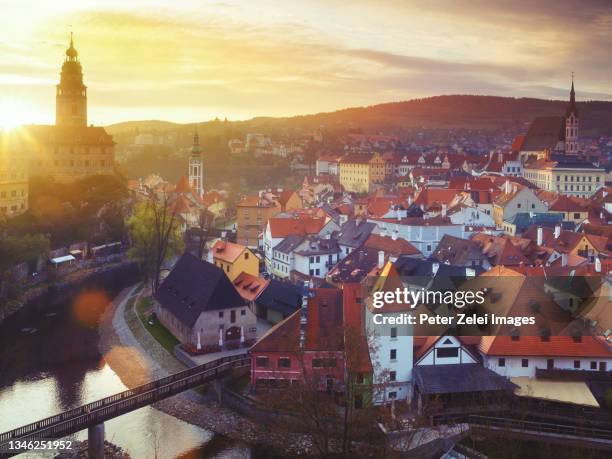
(193, 60)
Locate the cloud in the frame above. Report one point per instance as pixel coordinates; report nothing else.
(233, 59)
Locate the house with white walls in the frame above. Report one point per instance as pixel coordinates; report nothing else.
(390, 345)
(424, 234)
(520, 356)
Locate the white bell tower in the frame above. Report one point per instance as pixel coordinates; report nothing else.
(196, 167)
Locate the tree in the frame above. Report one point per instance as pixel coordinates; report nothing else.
(340, 421)
(155, 236)
(204, 225)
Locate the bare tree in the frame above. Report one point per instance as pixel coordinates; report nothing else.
(155, 235)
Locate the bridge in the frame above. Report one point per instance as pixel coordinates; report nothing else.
(93, 415)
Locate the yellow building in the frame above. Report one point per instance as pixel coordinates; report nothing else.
(359, 172)
(569, 176)
(234, 259)
(13, 177)
(70, 149)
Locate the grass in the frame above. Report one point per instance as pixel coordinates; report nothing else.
(152, 325)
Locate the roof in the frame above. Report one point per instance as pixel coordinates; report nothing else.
(356, 158)
(280, 296)
(183, 185)
(576, 392)
(569, 204)
(544, 133)
(456, 251)
(393, 247)
(355, 232)
(73, 135)
(517, 143)
(195, 286)
(288, 244)
(460, 378)
(227, 251)
(249, 287)
(535, 346)
(300, 225)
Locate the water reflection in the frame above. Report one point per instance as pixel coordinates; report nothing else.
(57, 367)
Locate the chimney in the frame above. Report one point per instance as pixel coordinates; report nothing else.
(444, 210)
(557, 231)
(564, 260)
(540, 239)
(500, 157)
(306, 293)
(409, 200)
(507, 187)
(381, 259)
(434, 268)
(394, 235)
(597, 265)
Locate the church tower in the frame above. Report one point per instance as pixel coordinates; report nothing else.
(196, 168)
(571, 124)
(71, 93)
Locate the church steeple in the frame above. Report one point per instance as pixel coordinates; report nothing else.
(571, 107)
(196, 167)
(71, 93)
(571, 123)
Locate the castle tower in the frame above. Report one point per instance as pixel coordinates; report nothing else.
(571, 124)
(196, 168)
(71, 93)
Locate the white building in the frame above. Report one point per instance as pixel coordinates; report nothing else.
(391, 346)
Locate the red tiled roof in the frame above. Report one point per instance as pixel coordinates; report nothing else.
(227, 251)
(429, 196)
(517, 144)
(183, 186)
(557, 346)
(283, 227)
(249, 287)
(390, 246)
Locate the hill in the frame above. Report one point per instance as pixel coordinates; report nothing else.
(490, 113)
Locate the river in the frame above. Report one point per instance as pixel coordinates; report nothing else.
(49, 363)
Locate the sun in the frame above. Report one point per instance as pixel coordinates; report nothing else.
(14, 113)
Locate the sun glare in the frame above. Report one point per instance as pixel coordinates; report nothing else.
(13, 114)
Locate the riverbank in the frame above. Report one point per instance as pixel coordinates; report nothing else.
(9, 308)
(136, 357)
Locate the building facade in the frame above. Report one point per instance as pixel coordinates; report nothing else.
(13, 178)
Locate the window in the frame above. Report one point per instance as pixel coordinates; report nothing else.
(360, 378)
(576, 215)
(246, 255)
(261, 362)
(243, 312)
(392, 395)
(358, 401)
(447, 352)
(392, 376)
(525, 363)
(220, 314)
(550, 364)
(393, 332)
(593, 365)
(232, 316)
(393, 354)
(501, 362)
(603, 366)
(284, 362)
(577, 364)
